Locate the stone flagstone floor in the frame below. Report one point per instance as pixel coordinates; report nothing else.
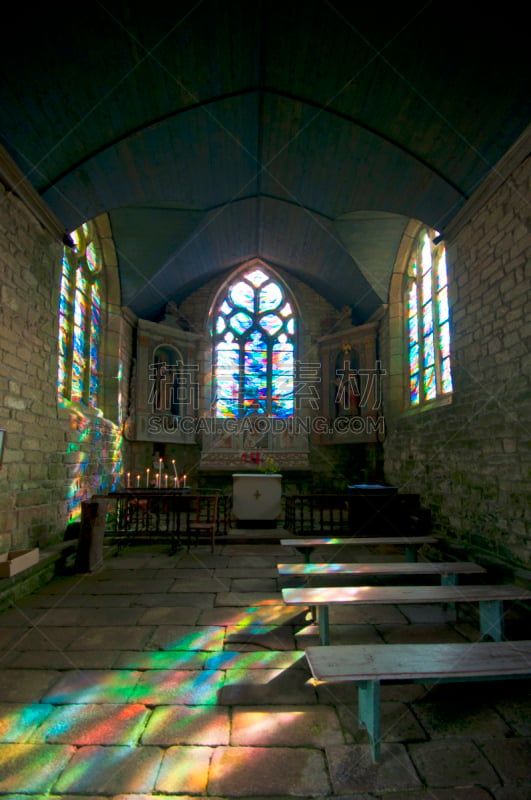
(184, 676)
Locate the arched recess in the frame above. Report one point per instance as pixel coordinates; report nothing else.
(167, 363)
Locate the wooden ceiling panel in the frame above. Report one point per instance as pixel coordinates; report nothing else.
(218, 131)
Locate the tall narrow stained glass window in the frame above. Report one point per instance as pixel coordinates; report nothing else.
(428, 321)
(79, 320)
(253, 333)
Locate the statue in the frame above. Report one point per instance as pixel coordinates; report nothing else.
(173, 316)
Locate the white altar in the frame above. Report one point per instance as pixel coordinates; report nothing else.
(256, 496)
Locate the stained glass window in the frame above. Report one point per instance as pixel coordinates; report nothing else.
(254, 329)
(79, 319)
(428, 323)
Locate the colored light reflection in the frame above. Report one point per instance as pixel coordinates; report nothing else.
(94, 456)
(93, 707)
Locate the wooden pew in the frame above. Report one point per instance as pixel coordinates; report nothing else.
(447, 570)
(490, 599)
(411, 543)
(368, 665)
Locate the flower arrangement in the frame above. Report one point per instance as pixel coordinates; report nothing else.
(269, 465)
(252, 458)
(264, 463)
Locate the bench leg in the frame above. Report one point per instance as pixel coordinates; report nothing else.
(491, 620)
(306, 552)
(324, 625)
(411, 552)
(449, 579)
(369, 714)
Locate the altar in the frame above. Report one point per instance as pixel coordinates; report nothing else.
(256, 497)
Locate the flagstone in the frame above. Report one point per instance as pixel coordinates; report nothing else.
(93, 724)
(18, 721)
(184, 769)
(293, 726)
(109, 770)
(188, 687)
(30, 768)
(265, 771)
(199, 725)
(352, 769)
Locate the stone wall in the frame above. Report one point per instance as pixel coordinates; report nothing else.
(54, 457)
(470, 460)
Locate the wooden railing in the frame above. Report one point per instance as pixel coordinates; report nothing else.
(317, 513)
(156, 513)
(344, 514)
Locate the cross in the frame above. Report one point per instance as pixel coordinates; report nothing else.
(257, 494)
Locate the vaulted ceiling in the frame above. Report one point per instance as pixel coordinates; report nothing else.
(303, 133)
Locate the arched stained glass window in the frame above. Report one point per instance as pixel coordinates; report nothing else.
(428, 322)
(79, 320)
(254, 330)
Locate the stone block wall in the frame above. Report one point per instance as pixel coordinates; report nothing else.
(470, 460)
(54, 457)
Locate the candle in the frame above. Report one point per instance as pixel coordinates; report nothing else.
(165, 481)
(138, 481)
(128, 480)
(147, 478)
(184, 481)
(174, 470)
(175, 482)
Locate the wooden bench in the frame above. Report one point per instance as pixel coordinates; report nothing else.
(368, 665)
(411, 543)
(490, 599)
(447, 570)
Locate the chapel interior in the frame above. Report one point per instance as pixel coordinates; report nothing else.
(286, 238)
(165, 156)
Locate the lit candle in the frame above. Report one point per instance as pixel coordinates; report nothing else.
(174, 470)
(147, 478)
(165, 481)
(128, 481)
(138, 481)
(175, 482)
(184, 481)
(159, 482)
